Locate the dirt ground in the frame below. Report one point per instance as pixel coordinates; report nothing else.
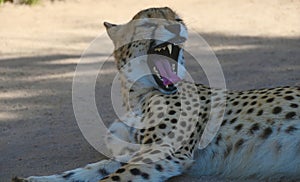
(256, 42)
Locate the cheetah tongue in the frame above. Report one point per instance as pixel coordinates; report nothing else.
(165, 70)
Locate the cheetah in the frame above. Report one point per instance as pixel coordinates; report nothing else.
(259, 134)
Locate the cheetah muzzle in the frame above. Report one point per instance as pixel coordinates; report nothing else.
(162, 61)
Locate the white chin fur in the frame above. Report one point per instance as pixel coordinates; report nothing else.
(166, 92)
(140, 73)
(181, 65)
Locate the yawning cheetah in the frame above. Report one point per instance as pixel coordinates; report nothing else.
(259, 136)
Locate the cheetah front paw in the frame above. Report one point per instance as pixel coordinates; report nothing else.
(17, 179)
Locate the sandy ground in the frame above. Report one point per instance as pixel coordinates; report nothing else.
(256, 42)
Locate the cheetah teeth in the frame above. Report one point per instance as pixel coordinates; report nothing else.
(157, 49)
(169, 46)
(156, 72)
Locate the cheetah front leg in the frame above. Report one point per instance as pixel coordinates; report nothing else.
(152, 164)
(118, 138)
(91, 172)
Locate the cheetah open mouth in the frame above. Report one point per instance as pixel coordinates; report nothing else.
(163, 63)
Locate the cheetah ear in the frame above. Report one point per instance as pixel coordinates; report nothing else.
(111, 30)
(108, 25)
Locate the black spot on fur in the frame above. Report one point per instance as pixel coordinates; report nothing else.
(219, 137)
(245, 97)
(290, 129)
(277, 110)
(229, 112)
(239, 143)
(115, 178)
(289, 97)
(183, 123)
(204, 115)
(250, 110)
(235, 103)
(151, 129)
(254, 97)
(260, 112)
(183, 113)
(293, 105)
(174, 121)
(145, 175)
(227, 151)
(178, 104)
(238, 127)
(290, 115)
(238, 111)
(172, 112)
(266, 133)
(254, 128)
(135, 171)
(162, 126)
(159, 167)
(224, 122)
(103, 172)
(270, 100)
(233, 120)
(121, 170)
(160, 115)
(149, 141)
(156, 102)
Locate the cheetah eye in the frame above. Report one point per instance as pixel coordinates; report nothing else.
(178, 19)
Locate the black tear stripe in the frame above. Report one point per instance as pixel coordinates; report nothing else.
(131, 39)
(153, 33)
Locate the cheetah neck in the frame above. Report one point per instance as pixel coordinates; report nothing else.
(133, 94)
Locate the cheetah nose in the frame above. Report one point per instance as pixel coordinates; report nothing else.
(175, 28)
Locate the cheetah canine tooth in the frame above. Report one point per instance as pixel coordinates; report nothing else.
(170, 48)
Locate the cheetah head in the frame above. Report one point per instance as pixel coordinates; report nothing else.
(151, 45)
